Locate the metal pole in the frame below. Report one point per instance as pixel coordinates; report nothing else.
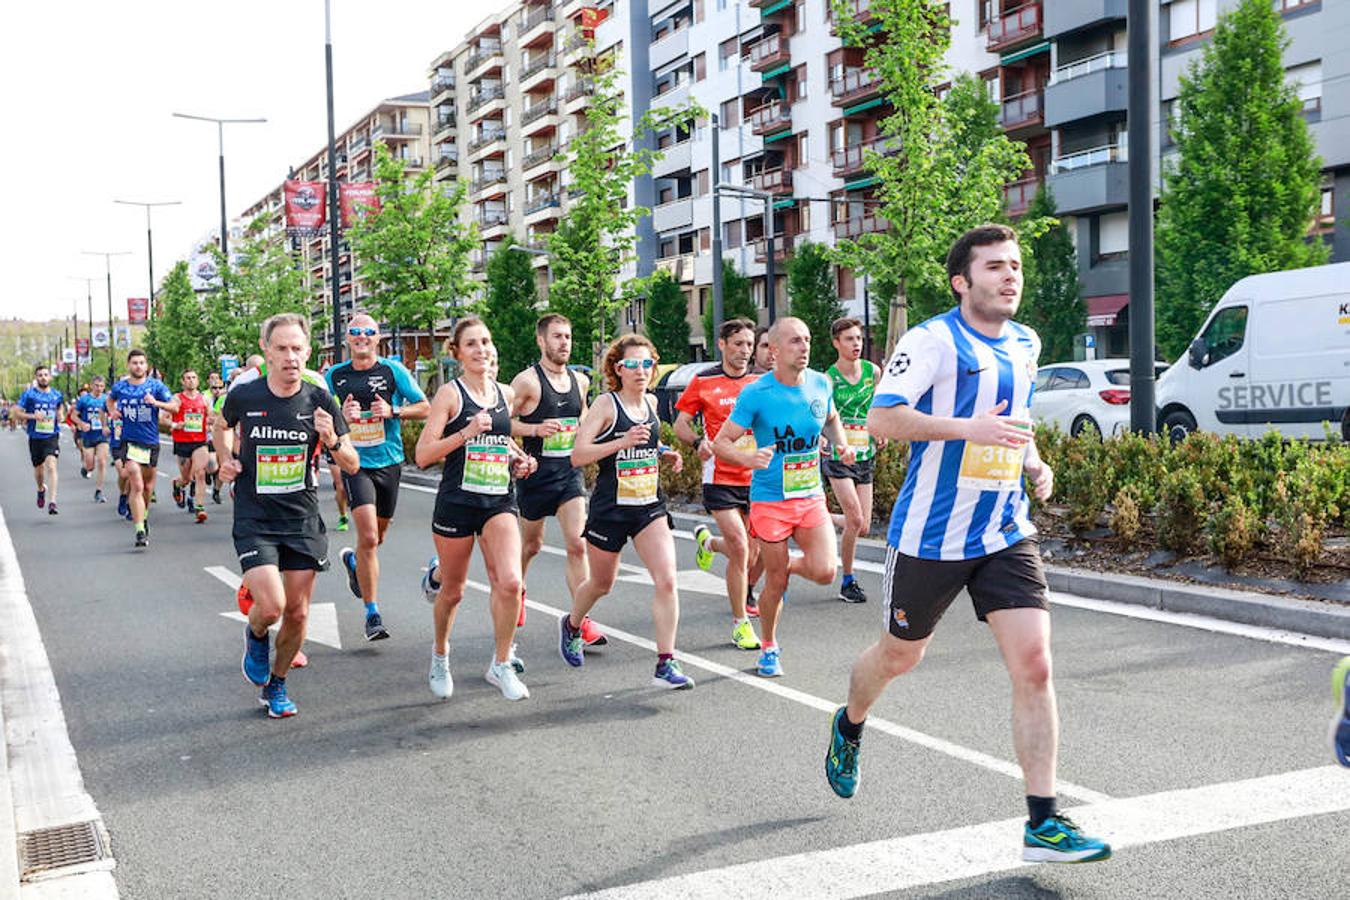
(332, 184)
(719, 305)
(75, 323)
(1143, 417)
(770, 276)
(867, 321)
(150, 256)
(112, 331)
(224, 232)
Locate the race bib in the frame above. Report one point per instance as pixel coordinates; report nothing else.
(95, 422)
(138, 454)
(194, 421)
(280, 470)
(855, 432)
(45, 424)
(801, 475)
(560, 443)
(367, 431)
(639, 479)
(487, 468)
(986, 468)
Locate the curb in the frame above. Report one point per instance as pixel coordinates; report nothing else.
(1309, 617)
(9, 838)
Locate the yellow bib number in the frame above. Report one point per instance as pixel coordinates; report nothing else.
(367, 431)
(986, 468)
(639, 479)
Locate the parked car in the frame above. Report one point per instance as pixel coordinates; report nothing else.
(670, 386)
(1273, 353)
(1090, 393)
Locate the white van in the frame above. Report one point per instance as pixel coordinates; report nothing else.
(1274, 353)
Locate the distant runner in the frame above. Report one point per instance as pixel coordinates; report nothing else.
(91, 415)
(43, 407)
(853, 380)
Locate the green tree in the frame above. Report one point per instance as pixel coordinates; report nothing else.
(950, 162)
(414, 250)
(1244, 188)
(813, 299)
(510, 307)
(174, 338)
(598, 236)
(667, 318)
(736, 302)
(1051, 301)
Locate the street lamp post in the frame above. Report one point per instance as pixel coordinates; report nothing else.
(112, 328)
(333, 240)
(89, 298)
(150, 242)
(770, 275)
(220, 140)
(536, 251)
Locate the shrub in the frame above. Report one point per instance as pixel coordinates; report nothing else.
(1180, 510)
(688, 484)
(1231, 531)
(410, 430)
(1084, 482)
(1125, 519)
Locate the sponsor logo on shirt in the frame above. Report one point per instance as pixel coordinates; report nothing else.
(268, 433)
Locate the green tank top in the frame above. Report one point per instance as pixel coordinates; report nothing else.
(853, 401)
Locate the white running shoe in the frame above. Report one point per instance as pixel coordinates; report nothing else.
(516, 662)
(430, 586)
(503, 676)
(442, 685)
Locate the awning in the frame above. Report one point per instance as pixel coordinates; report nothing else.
(1102, 311)
(770, 10)
(769, 139)
(854, 110)
(1042, 47)
(862, 183)
(787, 203)
(775, 72)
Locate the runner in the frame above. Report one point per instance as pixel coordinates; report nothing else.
(620, 432)
(42, 407)
(1340, 722)
(134, 400)
(763, 351)
(117, 450)
(90, 414)
(469, 427)
(710, 396)
(958, 387)
(376, 394)
(278, 532)
(853, 379)
(787, 410)
(550, 401)
(189, 446)
(75, 434)
(216, 398)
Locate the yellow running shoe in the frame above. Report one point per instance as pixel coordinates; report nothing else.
(744, 637)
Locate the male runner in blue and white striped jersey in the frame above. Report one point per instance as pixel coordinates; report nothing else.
(958, 388)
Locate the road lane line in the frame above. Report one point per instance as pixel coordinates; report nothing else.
(323, 622)
(874, 723)
(913, 861)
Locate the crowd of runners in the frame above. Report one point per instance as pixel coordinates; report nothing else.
(769, 433)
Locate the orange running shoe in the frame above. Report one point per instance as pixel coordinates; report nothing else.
(592, 636)
(300, 661)
(520, 619)
(244, 599)
(201, 515)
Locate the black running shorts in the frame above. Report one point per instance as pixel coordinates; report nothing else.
(726, 496)
(858, 473)
(126, 453)
(611, 531)
(41, 448)
(455, 520)
(291, 545)
(538, 501)
(920, 590)
(377, 486)
(185, 449)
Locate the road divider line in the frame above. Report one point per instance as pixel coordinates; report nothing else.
(874, 723)
(323, 622)
(921, 860)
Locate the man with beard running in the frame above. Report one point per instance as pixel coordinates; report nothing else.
(278, 532)
(42, 407)
(550, 400)
(189, 447)
(90, 416)
(376, 395)
(136, 400)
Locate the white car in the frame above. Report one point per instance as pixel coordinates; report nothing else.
(1093, 392)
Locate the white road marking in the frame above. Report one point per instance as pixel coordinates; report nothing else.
(874, 723)
(912, 861)
(323, 622)
(44, 786)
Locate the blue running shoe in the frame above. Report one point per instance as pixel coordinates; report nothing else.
(1059, 840)
(430, 586)
(841, 760)
(1340, 723)
(123, 509)
(257, 664)
(348, 556)
(769, 666)
(670, 676)
(273, 696)
(570, 645)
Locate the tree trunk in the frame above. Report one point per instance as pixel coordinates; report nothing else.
(897, 322)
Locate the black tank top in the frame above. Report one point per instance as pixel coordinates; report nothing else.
(629, 479)
(555, 452)
(478, 474)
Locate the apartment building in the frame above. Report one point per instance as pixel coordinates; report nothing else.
(403, 124)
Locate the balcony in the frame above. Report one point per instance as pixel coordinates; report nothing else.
(773, 181)
(576, 41)
(447, 161)
(542, 203)
(491, 218)
(849, 161)
(675, 158)
(541, 62)
(583, 87)
(1091, 180)
(485, 96)
(1022, 111)
(538, 111)
(535, 16)
(1017, 195)
(412, 162)
(854, 86)
(769, 53)
(1062, 18)
(681, 267)
(487, 180)
(1016, 26)
(485, 139)
(358, 144)
(1086, 88)
(774, 116)
(484, 53)
(673, 215)
(783, 245)
(442, 83)
(861, 10)
(401, 129)
(851, 229)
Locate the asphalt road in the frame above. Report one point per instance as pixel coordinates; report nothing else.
(598, 781)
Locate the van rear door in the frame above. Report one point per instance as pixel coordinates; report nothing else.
(1300, 364)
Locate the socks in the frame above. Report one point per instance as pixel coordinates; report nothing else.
(766, 646)
(276, 680)
(372, 608)
(140, 527)
(849, 729)
(662, 658)
(848, 579)
(737, 623)
(1040, 808)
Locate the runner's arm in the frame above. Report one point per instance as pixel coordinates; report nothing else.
(684, 429)
(724, 445)
(431, 448)
(413, 404)
(526, 389)
(586, 451)
(834, 430)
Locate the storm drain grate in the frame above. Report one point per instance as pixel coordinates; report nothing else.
(57, 848)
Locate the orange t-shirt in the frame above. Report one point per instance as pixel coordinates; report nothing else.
(711, 394)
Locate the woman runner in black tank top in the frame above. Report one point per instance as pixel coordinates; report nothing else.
(620, 432)
(469, 427)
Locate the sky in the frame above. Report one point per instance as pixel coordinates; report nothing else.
(87, 90)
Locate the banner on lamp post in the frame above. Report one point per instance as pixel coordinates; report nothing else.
(123, 336)
(356, 199)
(82, 349)
(304, 207)
(100, 337)
(137, 310)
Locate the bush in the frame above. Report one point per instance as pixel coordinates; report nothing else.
(1180, 511)
(410, 430)
(1084, 482)
(688, 484)
(1231, 531)
(1125, 519)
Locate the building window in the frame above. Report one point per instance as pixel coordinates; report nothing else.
(727, 52)
(1326, 210)
(1306, 80)
(700, 67)
(731, 234)
(1113, 236)
(1284, 6)
(701, 183)
(803, 158)
(1191, 18)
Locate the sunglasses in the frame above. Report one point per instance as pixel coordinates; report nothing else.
(363, 332)
(637, 363)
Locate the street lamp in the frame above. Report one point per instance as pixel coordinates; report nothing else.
(537, 251)
(769, 273)
(149, 243)
(112, 328)
(89, 299)
(220, 139)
